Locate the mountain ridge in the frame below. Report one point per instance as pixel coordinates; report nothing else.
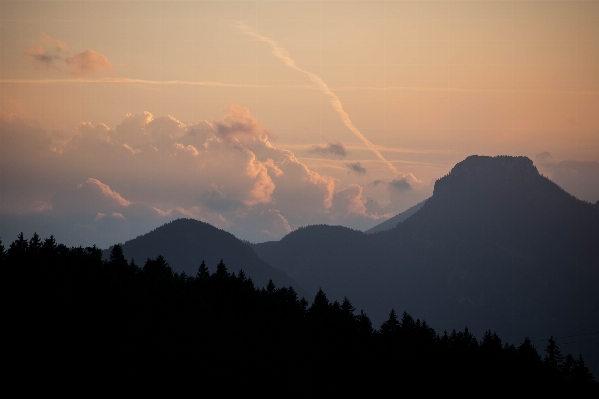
(185, 243)
(497, 246)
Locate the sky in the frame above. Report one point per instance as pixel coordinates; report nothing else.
(260, 117)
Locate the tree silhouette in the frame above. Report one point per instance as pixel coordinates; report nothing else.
(203, 273)
(553, 358)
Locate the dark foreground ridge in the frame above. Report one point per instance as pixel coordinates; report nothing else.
(71, 320)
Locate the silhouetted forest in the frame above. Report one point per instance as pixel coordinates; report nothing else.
(71, 318)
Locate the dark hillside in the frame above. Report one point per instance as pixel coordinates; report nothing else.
(186, 242)
(314, 256)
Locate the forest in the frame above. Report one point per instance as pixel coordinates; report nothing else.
(70, 318)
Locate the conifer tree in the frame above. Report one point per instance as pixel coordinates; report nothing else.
(18, 248)
(553, 358)
(241, 275)
(35, 244)
(270, 287)
(2, 252)
(202, 273)
(347, 308)
(528, 353)
(391, 326)
(581, 375)
(221, 270)
(320, 306)
(117, 258)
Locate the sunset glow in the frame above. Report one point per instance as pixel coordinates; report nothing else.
(260, 117)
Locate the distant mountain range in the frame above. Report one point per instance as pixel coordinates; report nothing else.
(497, 246)
(392, 222)
(185, 243)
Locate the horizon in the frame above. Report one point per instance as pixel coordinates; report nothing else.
(263, 117)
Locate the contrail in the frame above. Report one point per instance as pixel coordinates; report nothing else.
(281, 54)
(302, 87)
(128, 80)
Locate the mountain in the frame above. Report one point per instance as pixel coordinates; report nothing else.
(312, 254)
(497, 246)
(392, 222)
(184, 243)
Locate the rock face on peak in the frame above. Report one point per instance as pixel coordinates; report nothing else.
(482, 171)
(498, 246)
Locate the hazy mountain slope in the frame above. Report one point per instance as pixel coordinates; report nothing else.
(504, 240)
(392, 222)
(497, 246)
(184, 243)
(313, 256)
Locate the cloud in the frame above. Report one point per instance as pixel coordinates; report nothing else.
(45, 52)
(336, 149)
(348, 201)
(238, 124)
(88, 62)
(404, 191)
(356, 167)
(400, 184)
(544, 156)
(91, 197)
(102, 189)
(150, 170)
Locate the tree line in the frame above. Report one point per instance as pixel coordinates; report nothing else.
(67, 315)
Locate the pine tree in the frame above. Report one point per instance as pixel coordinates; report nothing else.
(347, 308)
(321, 305)
(2, 251)
(553, 358)
(364, 325)
(581, 375)
(19, 247)
(391, 326)
(528, 354)
(241, 276)
(117, 259)
(35, 244)
(202, 273)
(221, 270)
(491, 343)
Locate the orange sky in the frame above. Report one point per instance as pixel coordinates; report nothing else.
(341, 98)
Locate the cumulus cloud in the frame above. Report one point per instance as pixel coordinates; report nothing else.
(45, 52)
(109, 184)
(356, 167)
(336, 149)
(348, 201)
(92, 197)
(239, 124)
(87, 62)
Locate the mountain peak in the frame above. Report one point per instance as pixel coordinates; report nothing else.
(487, 171)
